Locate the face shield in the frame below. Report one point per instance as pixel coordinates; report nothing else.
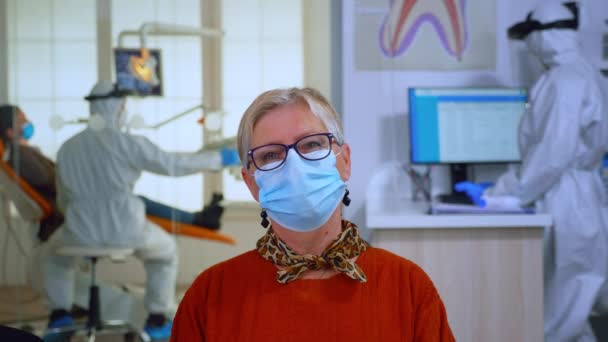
(106, 104)
(522, 29)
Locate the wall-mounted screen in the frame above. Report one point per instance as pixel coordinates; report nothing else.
(465, 125)
(139, 71)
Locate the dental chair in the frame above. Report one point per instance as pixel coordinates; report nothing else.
(29, 204)
(191, 230)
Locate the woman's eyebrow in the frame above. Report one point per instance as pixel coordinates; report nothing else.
(298, 137)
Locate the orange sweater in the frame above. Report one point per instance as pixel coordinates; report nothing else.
(240, 300)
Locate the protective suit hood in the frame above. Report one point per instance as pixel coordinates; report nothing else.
(107, 101)
(550, 32)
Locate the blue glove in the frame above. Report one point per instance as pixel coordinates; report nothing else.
(230, 157)
(474, 191)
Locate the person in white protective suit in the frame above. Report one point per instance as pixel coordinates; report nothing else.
(562, 139)
(96, 172)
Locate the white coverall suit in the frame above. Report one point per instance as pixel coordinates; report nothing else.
(562, 139)
(97, 170)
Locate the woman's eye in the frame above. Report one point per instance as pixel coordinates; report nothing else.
(310, 146)
(270, 157)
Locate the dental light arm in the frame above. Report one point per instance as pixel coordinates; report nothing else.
(177, 116)
(57, 122)
(160, 29)
(137, 122)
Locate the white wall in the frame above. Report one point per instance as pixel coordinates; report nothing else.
(375, 102)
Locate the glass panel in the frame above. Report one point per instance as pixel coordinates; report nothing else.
(241, 18)
(181, 135)
(234, 188)
(11, 25)
(282, 19)
(262, 50)
(242, 71)
(235, 107)
(186, 12)
(34, 21)
(74, 68)
(182, 89)
(34, 71)
(73, 20)
(183, 69)
(283, 69)
(129, 15)
(69, 110)
(39, 113)
(51, 65)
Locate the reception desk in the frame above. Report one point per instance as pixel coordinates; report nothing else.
(487, 268)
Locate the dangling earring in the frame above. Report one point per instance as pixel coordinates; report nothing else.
(345, 199)
(265, 221)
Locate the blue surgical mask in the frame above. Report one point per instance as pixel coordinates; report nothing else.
(27, 131)
(301, 195)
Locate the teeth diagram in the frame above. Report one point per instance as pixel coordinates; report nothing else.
(401, 24)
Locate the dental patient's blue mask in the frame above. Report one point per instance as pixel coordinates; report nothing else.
(27, 131)
(301, 195)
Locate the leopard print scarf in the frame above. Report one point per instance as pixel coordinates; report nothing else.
(337, 255)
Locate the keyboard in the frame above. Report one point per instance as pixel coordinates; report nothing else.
(457, 198)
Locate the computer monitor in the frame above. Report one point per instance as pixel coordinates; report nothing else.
(463, 126)
(139, 71)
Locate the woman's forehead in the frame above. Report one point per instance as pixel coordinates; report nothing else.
(286, 124)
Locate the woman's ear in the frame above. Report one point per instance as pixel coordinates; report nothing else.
(343, 162)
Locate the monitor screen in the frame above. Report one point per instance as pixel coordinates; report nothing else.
(139, 71)
(465, 125)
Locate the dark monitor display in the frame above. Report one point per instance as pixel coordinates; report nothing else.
(465, 125)
(139, 71)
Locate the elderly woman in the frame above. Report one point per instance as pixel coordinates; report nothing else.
(311, 277)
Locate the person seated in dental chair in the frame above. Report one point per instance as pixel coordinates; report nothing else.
(29, 163)
(39, 172)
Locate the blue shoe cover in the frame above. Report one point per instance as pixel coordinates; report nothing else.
(159, 333)
(61, 322)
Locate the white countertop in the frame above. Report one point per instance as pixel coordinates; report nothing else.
(400, 213)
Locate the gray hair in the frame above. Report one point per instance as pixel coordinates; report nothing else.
(276, 98)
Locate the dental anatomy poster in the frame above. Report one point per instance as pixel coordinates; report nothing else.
(425, 35)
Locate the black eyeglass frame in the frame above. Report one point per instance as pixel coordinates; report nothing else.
(330, 136)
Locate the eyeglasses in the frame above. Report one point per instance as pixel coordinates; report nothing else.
(311, 147)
